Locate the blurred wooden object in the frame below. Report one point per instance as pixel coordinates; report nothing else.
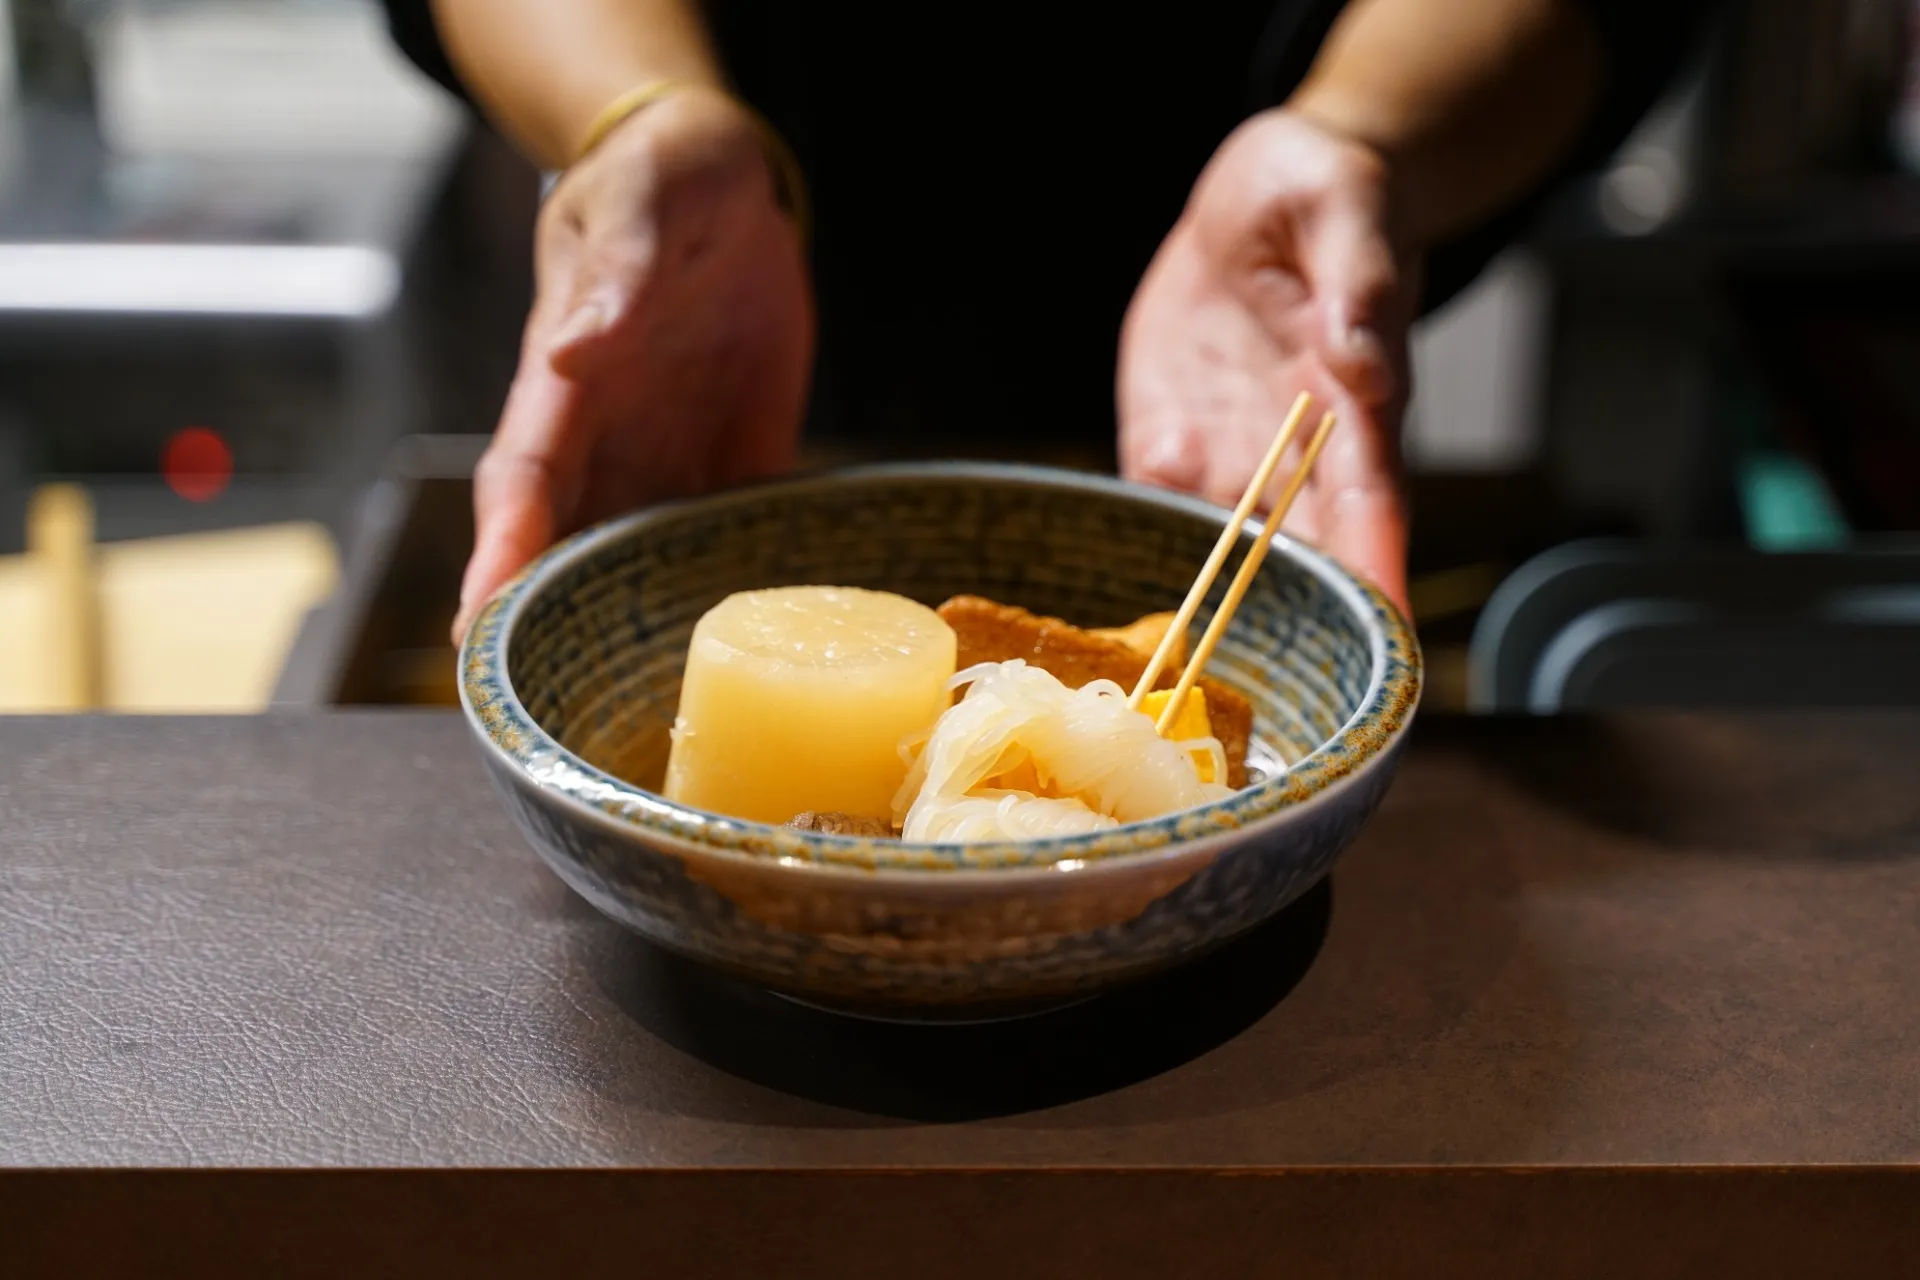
(195, 623)
(60, 544)
(203, 621)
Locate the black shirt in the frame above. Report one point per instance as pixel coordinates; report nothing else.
(989, 183)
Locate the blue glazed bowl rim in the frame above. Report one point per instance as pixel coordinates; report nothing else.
(494, 710)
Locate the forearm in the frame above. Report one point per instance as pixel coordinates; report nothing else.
(1470, 101)
(543, 71)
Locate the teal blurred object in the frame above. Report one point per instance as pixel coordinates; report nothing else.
(1787, 506)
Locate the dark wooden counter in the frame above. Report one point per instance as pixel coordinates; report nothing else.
(1632, 997)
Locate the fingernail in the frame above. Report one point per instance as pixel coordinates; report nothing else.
(584, 321)
(1362, 343)
(463, 616)
(1364, 354)
(462, 619)
(1171, 460)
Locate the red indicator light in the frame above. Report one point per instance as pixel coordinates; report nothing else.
(197, 464)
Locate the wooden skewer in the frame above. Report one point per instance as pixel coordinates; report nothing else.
(1242, 580)
(1228, 536)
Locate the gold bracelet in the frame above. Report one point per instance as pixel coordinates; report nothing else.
(790, 187)
(635, 99)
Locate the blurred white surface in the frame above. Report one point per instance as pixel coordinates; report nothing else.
(319, 281)
(1479, 367)
(226, 77)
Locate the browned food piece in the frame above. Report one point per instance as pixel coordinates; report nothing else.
(990, 632)
(842, 824)
(1144, 636)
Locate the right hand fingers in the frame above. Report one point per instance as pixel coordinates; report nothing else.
(595, 248)
(526, 484)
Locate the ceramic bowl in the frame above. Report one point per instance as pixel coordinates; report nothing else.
(570, 678)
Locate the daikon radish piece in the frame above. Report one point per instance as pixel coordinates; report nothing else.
(797, 699)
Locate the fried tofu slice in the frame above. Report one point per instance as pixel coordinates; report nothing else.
(1144, 637)
(992, 632)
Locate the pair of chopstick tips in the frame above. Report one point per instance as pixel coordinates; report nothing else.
(1243, 579)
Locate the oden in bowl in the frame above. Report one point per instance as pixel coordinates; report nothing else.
(570, 677)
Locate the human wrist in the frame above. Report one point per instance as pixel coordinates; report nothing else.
(663, 104)
(1470, 105)
(1395, 156)
(542, 73)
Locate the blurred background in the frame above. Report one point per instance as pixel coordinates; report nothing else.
(261, 287)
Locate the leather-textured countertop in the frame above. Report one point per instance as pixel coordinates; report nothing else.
(1628, 996)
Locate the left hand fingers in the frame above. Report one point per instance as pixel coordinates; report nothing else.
(1341, 267)
(1353, 507)
(1351, 271)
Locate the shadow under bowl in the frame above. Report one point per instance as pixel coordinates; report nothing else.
(570, 679)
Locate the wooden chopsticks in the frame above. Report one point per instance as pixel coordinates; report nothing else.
(1237, 590)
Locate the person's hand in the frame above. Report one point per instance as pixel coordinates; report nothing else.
(670, 343)
(1281, 276)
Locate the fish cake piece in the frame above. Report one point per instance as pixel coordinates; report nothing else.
(992, 632)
